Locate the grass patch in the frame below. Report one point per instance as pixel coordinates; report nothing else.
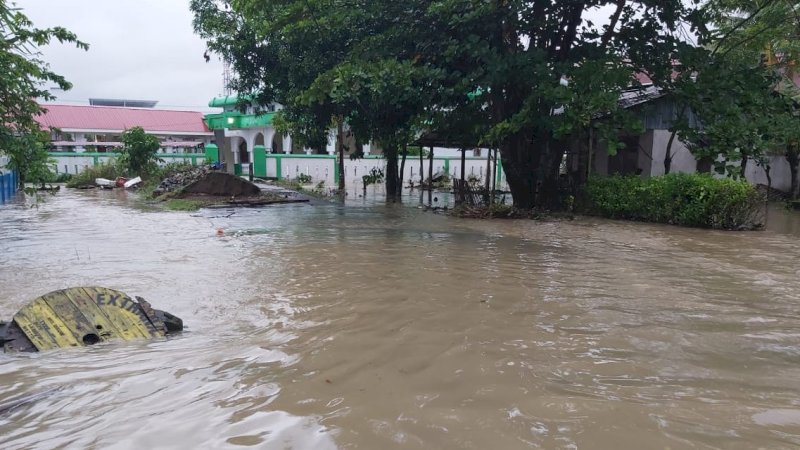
(182, 204)
(85, 179)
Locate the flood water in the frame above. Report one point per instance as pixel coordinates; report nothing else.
(375, 327)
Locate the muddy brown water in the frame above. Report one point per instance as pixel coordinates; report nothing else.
(374, 327)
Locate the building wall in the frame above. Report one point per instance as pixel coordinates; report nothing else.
(653, 146)
(682, 158)
(780, 173)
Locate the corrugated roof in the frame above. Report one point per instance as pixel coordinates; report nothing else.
(118, 119)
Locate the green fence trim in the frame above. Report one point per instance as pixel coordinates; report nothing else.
(259, 161)
(212, 152)
(299, 155)
(498, 172)
(278, 166)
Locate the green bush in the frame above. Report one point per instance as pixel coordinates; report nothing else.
(109, 169)
(692, 200)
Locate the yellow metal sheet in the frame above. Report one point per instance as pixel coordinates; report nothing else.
(43, 327)
(84, 302)
(73, 317)
(123, 312)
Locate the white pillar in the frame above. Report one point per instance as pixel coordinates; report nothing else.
(251, 143)
(269, 135)
(367, 147)
(307, 150)
(331, 147)
(80, 138)
(287, 144)
(235, 149)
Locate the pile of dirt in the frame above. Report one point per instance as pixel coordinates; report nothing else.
(221, 184)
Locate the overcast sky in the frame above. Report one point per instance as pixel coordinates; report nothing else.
(138, 49)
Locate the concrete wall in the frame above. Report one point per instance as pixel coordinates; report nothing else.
(653, 146)
(323, 168)
(73, 163)
(682, 158)
(319, 167)
(779, 172)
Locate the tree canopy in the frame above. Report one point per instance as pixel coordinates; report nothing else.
(522, 76)
(740, 88)
(24, 78)
(139, 151)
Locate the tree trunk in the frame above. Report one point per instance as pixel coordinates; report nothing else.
(340, 144)
(532, 171)
(463, 163)
(793, 158)
(421, 169)
(519, 162)
(403, 167)
(488, 169)
(668, 152)
(581, 172)
(743, 166)
(494, 177)
(430, 177)
(392, 191)
(548, 192)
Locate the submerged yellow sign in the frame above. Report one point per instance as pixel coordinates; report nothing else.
(83, 316)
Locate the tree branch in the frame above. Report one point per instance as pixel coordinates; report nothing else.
(741, 24)
(614, 19)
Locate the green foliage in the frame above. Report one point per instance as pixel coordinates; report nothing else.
(374, 176)
(319, 189)
(693, 200)
(303, 179)
(29, 157)
(445, 182)
(109, 170)
(520, 76)
(24, 78)
(474, 180)
(139, 152)
(732, 113)
(414, 150)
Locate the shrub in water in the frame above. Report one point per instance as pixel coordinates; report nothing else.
(109, 170)
(693, 200)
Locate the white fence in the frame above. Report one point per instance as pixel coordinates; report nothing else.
(323, 168)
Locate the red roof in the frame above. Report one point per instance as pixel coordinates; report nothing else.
(118, 119)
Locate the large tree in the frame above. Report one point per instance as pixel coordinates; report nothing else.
(735, 92)
(24, 78)
(543, 68)
(766, 34)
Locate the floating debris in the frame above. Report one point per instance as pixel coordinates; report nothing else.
(83, 316)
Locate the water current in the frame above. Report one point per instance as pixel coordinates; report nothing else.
(385, 327)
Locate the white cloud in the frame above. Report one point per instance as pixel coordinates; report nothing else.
(139, 49)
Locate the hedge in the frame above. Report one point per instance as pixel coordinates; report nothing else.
(692, 200)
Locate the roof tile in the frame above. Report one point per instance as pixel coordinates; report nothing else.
(118, 119)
